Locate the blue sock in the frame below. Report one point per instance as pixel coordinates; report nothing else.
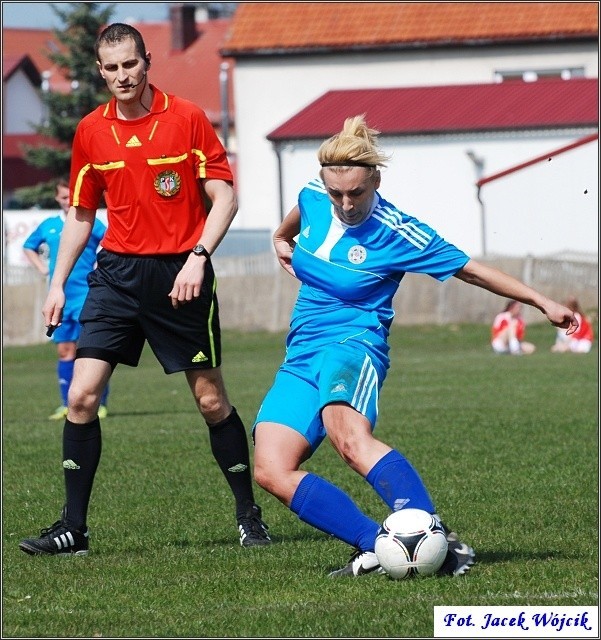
(398, 483)
(104, 396)
(327, 508)
(64, 371)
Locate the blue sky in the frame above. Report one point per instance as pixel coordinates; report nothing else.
(39, 15)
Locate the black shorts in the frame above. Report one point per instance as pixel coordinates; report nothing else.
(128, 304)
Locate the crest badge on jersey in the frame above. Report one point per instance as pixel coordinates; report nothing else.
(168, 183)
(357, 254)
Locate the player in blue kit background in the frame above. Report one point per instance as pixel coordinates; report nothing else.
(350, 249)
(48, 233)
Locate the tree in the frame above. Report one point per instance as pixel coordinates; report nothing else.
(83, 22)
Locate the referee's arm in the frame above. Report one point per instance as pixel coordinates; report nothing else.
(74, 238)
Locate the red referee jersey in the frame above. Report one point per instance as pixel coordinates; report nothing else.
(149, 170)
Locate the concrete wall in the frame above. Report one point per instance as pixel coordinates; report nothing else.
(22, 321)
(264, 299)
(265, 302)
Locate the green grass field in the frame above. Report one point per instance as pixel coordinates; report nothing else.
(507, 446)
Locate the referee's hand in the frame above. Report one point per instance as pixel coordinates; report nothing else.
(188, 283)
(52, 309)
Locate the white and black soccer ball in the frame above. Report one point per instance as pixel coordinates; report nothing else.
(411, 542)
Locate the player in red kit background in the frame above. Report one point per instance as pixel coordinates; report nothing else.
(152, 155)
(509, 330)
(581, 341)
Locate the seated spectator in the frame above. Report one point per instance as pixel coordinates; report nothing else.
(508, 331)
(581, 340)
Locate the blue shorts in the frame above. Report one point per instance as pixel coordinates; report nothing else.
(305, 384)
(70, 327)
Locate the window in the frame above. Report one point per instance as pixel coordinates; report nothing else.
(532, 75)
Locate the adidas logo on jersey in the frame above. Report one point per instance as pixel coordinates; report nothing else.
(133, 142)
(199, 357)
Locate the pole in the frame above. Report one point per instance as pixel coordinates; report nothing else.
(478, 163)
(482, 220)
(225, 116)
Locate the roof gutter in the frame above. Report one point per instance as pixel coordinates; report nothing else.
(546, 156)
(370, 47)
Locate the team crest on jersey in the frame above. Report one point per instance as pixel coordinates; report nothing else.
(167, 183)
(357, 254)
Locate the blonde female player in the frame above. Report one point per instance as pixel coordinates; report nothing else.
(350, 249)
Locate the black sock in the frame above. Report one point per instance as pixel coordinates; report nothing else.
(82, 444)
(230, 448)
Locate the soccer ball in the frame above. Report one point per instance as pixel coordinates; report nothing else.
(411, 542)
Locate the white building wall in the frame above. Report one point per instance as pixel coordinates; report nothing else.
(22, 105)
(547, 208)
(540, 210)
(269, 91)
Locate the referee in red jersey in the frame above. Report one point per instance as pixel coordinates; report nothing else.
(154, 156)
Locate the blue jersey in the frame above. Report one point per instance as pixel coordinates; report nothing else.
(49, 232)
(349, 275)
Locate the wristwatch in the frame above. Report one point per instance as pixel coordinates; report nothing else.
(199, 250)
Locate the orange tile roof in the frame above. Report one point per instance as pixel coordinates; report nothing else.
(37, 44)
(10, 63)
(192, 74)
(264, 27)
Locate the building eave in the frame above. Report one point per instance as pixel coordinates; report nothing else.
(315, 50)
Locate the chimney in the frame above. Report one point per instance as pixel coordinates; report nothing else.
(183, 25)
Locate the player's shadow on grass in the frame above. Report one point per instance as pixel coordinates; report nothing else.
(497, 557)
(154, 412)
(282, 539)
(229, 541)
